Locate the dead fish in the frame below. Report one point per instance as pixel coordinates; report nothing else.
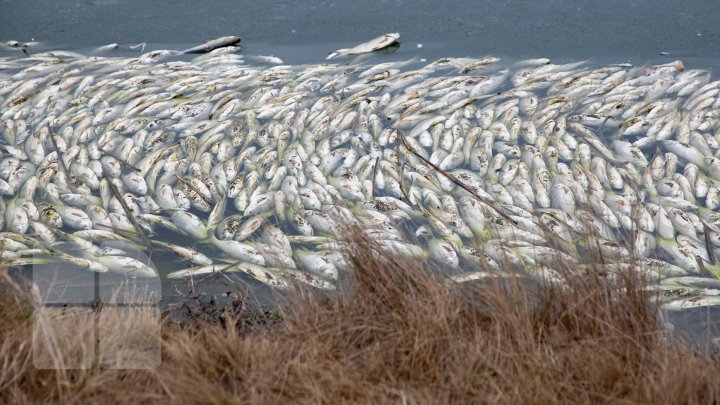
(372, 45)
(213, 44)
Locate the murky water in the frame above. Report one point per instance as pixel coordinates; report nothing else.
(299, 33)
(618, 29)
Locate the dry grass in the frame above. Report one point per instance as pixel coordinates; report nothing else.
(399, 335)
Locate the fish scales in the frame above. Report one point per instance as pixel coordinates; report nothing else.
(267, 164)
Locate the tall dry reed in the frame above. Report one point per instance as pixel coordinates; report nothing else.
(398, 332)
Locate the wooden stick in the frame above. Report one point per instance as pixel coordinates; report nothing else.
(453, 179)
(59, 155)
(125, 207)
(192, 188)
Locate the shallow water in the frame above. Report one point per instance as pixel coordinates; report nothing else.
(167, 262)
(604, 32)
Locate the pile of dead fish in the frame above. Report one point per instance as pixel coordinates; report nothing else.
(256, 169)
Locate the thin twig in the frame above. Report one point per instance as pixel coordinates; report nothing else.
(400, 167)
(125, 208)
(59, 155)
(453, 179)
(191, 187)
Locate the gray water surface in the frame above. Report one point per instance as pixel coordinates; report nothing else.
(616, 29)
